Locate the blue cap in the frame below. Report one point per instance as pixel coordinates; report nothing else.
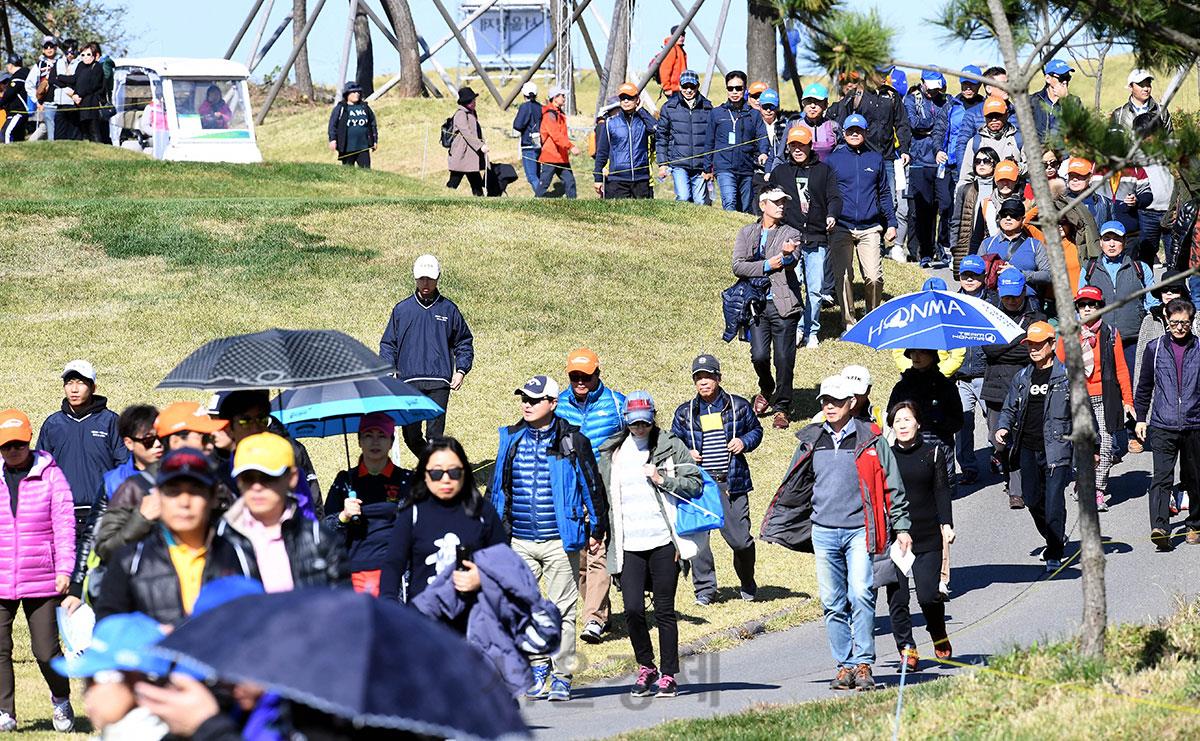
(971, 69)
(1112, 227)
(1057, 67)
(639, 407)
(226, 589)
(854, 119)
(688, 77)
(934, 284)
(119, 643)
(972, 264)
(815, 91)
(934, 80)
(899, 81)
(1010, 283)
(769, 97)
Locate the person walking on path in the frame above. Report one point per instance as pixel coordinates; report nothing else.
(353, 132)
(1167, 404)
(766, 251)
(545, 481)
(814, 106)
(557, 148)
(1142, 116)
(429, 345)
(625, 146)
(973, 216)
(37, 542)
(719, 429)
(363, 501)
(596, 410)
(737, 139)
(646, 471)
(936, 396)
(923, 106)
(923, 471)
(527, 124)
(1018, 248)
(468, 151)
(1033, 429)
(1155, 323)
(681, 139)
(843, 498)
(969, 376)
(887, 130)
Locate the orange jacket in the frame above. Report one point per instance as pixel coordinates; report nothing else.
(1070, 249)
(556, 145)
(1095, 382)
(673, 65)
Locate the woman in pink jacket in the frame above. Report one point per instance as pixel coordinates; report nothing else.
(37, 553)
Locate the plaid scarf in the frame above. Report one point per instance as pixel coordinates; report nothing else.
(1089, 339)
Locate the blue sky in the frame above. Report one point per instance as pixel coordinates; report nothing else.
(198, 29)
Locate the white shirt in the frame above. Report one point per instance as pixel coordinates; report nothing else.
(642, 525)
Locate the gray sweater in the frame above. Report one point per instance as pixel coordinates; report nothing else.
(785, 283)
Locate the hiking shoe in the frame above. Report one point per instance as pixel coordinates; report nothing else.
(747, 596)
(666, 686)
(942, 648)
(760, 406)
(644, 686)
(63, 717)
(560, 690)
(1135, 445)
(925, 262)
(541, 682)
(844, 679)
(7, 722)
(593, 632)
(1161, 540)
(1015, 502)
(911, 659)
(1052, 565)
(781, 421)
(862, 678)
(1193, 537)
(703, 601)
(1101, 502)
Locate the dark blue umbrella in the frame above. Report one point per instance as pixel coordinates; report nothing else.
(335, 408)
(372, 661)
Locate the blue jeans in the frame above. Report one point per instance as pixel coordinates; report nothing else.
(529, 158)
(48, 117)
(690, 185)
(970, 393)
(735, 191)
(564, 174)
(813, 264)
(846, 582)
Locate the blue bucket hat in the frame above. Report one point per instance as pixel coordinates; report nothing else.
(1010, 283)
(815, 91)
(688, 77)
(119, 643)
(769, 97)
(972, 264)
(639, 407)
(854, 120)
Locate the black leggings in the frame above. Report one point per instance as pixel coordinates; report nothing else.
(474, 178)
(661, 570)
(43, 637)
(926, 572)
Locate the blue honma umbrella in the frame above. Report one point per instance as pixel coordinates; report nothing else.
(373, 661)
(933, 320)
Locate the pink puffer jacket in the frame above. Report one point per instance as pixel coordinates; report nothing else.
(39, 543)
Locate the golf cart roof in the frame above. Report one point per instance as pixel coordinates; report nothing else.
(207, 69)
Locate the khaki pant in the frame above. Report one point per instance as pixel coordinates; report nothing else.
(594, 581)
(845, 244)
(547, 560)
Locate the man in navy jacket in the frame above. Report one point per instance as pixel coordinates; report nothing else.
(527, 123)
(429, 345)
(737, 141)
(625, 142)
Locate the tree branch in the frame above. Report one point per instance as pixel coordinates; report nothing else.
(1137, 295)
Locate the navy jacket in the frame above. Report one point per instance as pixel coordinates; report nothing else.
(625, 144)
(949, 125)
(427, 343)
(739, 422)
(338, 119)
(1045, 113)
(866, 195)
(85, 445)
(736, 302)
(1159, 398)
(923, 114)
(1056, 418)
(749, 134)
(682, 133)
(974, 361)
(528, 122)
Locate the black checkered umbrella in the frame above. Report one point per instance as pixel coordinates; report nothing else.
(276, 359)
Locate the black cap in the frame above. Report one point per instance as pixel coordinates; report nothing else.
(13, 59)
(706, 364)
(186, 463)
(1014, 207)
(351, 87)
(466, 95)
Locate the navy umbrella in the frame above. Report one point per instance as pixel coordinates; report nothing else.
(372, 661)
(276, 358)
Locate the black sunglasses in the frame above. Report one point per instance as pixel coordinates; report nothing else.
(769, 107)
(1064, 79)
(532, 401)
(984, 161)
(735, 88)
(14, 445)
(436, 474)
(628, 97)
(146, 441)
(1087, 304)
(689, 86)
(263, 421)
(580, 377)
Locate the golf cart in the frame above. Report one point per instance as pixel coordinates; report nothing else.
(195, 110)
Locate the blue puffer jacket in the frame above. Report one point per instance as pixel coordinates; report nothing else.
(922, 114)
(527, 122)
(949, 124)
(682, 133)
(739, 422)
(866, 196)
(1159, 398)
(117, 476)
(85, 445)
(625, 144)
(735, 307)
(574, 483)
(1056, 420)
(742, 126)
(598, 417)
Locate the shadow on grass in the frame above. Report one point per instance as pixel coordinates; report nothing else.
(765, 593)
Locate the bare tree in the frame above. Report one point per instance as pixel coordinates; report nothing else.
(400, 16)
(616, 59)
(760, 42)
(364, 53)
(304, 81)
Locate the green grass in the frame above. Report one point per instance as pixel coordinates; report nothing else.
(1149, 687)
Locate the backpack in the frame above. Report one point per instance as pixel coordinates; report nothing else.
(1091, 270)
(991, 274)
(447, 133)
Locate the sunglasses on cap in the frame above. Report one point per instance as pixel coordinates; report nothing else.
(436, 474)
(10, 446)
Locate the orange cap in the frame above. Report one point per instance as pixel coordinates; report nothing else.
(627, 88)
(799, 134)
(1039, 332)
(1079, 166)
(582, 360)
(1007, 170)
(994, 105)
(14, 426)
(186, 415)
(758, 87)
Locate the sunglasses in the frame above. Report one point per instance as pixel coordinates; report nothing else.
(970, 276)
(735, 88)
(530, 401)
(639, 424)
(1178, 323)
(1064, 79)
(14, 445)
(580, 377)
(689, 86)
(984, 161)
(628, 97)
(1051, 164)
(147, 441)
(769, 107)
(1085, 304)
(244, 422)
(436, 474)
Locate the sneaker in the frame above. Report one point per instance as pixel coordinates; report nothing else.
(647, 676)
(781, 421)
(1135, 445)
(592, 632)
(760, 405)
(898, 254)
(666, 686)
(813, 342)
(1101, 502)
(942, 648)
(703, 601)
(747, 596)
(1193, 537)
(911, 659)
(1161, 540)
(63, 718)
(541, 682)
(844, 679)
(1015, 502)
(1053, 565)
(862, 678)
(7, 722)
(560, 690)
(926, 262)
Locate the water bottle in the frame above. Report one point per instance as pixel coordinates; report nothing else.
(941, 171)
(354, 519)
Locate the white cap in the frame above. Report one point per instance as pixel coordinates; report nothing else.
(773, 194)
(556, 91)
(1138, 75)
(858, 377)
(80, 367)
(427, 266)
(934, 84)
(835, 387)
(529, 88)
